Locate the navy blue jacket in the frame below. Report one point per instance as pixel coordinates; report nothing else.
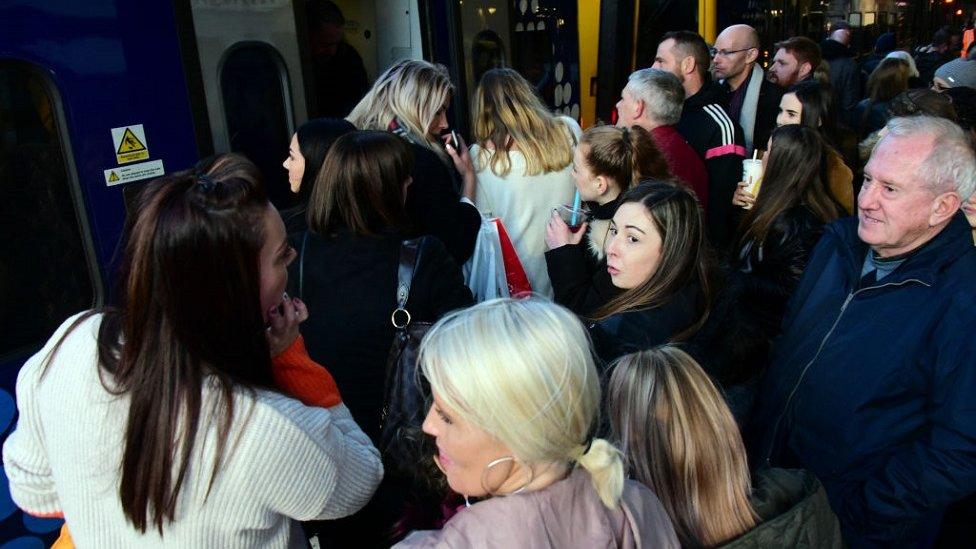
(874, 389)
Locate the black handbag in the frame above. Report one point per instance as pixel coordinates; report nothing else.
(406, 395)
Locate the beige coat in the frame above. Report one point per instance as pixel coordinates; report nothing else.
(567, 514)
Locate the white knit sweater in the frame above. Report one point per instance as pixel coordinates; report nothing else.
(284, 462)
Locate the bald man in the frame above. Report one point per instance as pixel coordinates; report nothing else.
(753, 100)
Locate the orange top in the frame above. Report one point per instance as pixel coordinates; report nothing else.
(301, 377)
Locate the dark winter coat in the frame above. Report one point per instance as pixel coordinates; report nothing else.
(794, 512)
(348, 283)
(717, 138)
(871, 388)
(580, 281)
(434, 205)
(633, 331)
(733, 346)
(845, 76)
(869, 117)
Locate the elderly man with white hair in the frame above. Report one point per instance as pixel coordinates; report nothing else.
(653, 99)
(872, 385)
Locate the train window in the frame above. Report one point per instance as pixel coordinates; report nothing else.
(257, 106)
(485, 35)
(46, 271)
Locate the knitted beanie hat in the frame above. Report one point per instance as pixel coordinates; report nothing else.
(958, 72)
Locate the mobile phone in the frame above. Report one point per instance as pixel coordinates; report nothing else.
(453, 140)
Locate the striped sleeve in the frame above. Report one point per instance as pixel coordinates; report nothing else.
(724, 123)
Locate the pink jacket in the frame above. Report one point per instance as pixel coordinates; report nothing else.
(566, 514)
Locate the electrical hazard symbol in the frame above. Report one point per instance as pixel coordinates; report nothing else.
(113, 177)
(130, 143)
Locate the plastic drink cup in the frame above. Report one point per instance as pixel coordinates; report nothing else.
(752, 172)
(573, 218)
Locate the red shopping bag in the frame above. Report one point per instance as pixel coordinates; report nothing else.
(518, 282)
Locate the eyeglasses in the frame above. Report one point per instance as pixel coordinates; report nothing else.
(726, 53)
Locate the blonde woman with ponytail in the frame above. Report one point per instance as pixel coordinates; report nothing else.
(516, 396)
(523, 159)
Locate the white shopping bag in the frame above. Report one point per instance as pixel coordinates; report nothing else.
(484, 273)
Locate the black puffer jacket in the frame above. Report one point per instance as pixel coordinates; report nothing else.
(734, 343)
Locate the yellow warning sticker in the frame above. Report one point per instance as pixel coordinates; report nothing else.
(113, 176)
(130, 143)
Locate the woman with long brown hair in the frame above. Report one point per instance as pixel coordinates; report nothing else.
(160, 419)
(608, 162)
(774, 241)
(347, 273)
(658, 257)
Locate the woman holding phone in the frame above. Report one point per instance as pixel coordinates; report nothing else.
(411, 99)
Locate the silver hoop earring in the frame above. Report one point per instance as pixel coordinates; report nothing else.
(503, 460)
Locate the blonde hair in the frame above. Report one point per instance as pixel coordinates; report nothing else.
(523, 371)
(506, 110)
(412, 91)
(681, 441)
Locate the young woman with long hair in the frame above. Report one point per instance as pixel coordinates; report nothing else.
(145, 421)
(811, 104)
(657, 255)
(346, 273)
(516, 396)
(410, 99)
(680, 440)
(306, 152)
(774, 241)
(607, 163)
(523, 156)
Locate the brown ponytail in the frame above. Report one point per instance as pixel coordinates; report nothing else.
(625, 155)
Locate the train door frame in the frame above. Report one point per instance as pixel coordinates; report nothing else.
(77, 196)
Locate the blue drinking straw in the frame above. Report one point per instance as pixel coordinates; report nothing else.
(576, 207)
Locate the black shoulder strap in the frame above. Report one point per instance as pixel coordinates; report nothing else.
(410, 251)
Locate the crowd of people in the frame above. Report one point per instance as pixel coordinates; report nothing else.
(712, 356)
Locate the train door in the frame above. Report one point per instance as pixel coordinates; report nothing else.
(250, 61)
(267, 67)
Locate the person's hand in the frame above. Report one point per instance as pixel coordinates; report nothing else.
(284, 319)
(742, 197)
(463, 163)
(558, 233)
